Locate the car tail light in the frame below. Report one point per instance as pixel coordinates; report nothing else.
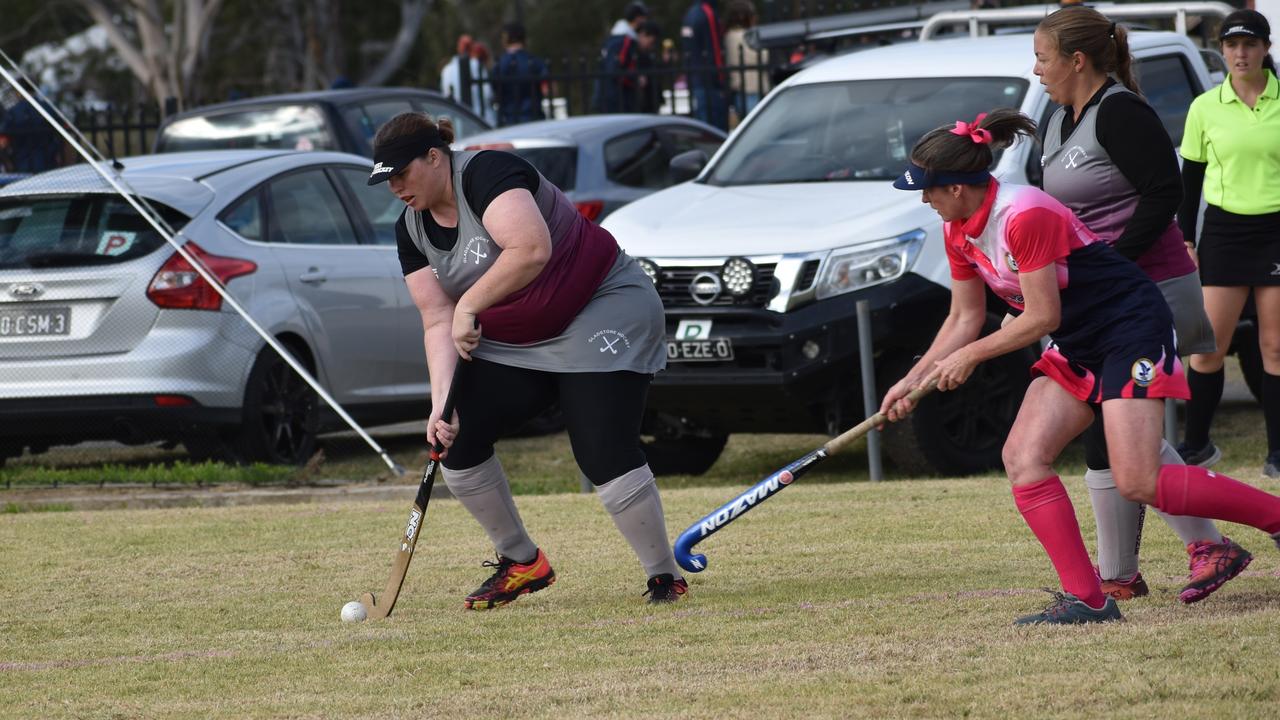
(492, 146)
(177, 285)
(590, 209)
(173, 401)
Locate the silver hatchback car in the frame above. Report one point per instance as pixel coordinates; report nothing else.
(107, 333)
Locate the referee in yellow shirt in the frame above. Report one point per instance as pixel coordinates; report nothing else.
(1231, 148)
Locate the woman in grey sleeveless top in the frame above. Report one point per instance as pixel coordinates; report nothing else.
(1108, 158)
(544, 308)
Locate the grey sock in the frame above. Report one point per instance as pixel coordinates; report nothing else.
(1189, 529)
(632, 499)
(1119, 521)
(484, 491)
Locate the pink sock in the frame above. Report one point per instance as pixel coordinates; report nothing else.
(1051, 516)
(1191, 490)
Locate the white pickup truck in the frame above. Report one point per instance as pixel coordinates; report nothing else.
(761, 259)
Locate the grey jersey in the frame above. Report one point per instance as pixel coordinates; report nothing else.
(1081, 175)
(621, 327)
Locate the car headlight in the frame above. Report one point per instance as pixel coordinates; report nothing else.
(738, 276)
(650, 268)
(854, 268)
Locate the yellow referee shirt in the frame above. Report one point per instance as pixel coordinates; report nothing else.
(1240, 147)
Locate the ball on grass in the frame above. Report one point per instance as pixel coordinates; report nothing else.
(353, 612)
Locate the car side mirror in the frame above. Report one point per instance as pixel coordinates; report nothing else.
(687, 165)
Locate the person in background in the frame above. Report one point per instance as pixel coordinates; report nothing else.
(517, 79)
(621, 84)
(701, 35)
(654, 60)
(34, 146)
(1108, 158)
(455, 77)
(633, 16)
(742, 59)
(483, 104)
(1231, 148)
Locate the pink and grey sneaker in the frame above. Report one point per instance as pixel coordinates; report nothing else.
(1212, 565)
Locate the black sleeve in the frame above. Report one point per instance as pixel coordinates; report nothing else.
(411, 258)
(1192, 187)
(1134, 137)
(493, 172)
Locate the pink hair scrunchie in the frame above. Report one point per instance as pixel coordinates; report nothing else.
(981, 136)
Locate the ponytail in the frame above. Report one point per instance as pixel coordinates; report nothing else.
(942, 150)
(1124, 60)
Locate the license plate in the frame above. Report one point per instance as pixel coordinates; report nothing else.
(34, 323)
(711, 349)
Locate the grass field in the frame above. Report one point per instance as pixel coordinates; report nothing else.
(831, 600)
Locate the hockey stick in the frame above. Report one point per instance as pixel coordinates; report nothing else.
(417, 516)
(772, 485)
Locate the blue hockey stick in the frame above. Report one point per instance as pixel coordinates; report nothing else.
(771, 486)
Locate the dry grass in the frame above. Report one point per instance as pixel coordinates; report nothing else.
(831, 600)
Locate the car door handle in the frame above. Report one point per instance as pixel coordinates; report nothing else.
(313, 275)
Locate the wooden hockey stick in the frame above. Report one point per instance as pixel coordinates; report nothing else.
(417, 517)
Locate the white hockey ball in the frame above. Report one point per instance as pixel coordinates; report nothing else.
(353, 612)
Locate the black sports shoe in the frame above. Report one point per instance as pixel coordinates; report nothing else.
(1067, 609)
(665, 588)
(1204, 457)
(1271, 468)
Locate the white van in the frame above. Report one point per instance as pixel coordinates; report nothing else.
(761, 258)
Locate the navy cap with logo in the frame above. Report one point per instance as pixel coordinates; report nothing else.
(1245, 23)
(393, 156)
(917, 178)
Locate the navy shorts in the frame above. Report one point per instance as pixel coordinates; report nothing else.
(1144, 368)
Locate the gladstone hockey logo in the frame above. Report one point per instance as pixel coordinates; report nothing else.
(477, 249)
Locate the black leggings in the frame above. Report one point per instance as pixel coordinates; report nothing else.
(602, 412)
(1095, 443)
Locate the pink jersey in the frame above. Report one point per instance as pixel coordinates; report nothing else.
(1019, 228)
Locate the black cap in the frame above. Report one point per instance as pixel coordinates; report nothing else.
(635, 10)
(393, 156)
(1245, 23)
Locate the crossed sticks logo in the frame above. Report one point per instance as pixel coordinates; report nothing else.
(610, 341)
(477, 249)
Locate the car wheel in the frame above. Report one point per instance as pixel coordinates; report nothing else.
(279, 420)
(962, 432)
(690, 455)
(281, 414)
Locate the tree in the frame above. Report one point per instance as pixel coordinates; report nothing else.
(411, 14)
(163, 52)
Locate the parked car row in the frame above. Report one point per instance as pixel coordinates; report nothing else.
(107, 333)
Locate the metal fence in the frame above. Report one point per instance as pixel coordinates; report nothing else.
(578, 85)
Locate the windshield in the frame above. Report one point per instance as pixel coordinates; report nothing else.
(858, 130)
(76, 231)
(283, 127)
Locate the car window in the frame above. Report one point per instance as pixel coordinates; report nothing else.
(463, 125)
(1169, 87)
(244, 216)
(637, 159)
(74, 231)
(684, 139)
(380, 206)
(364, 119)
(306, 210)
(283, 127)
(856, 130)
(557, 164)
